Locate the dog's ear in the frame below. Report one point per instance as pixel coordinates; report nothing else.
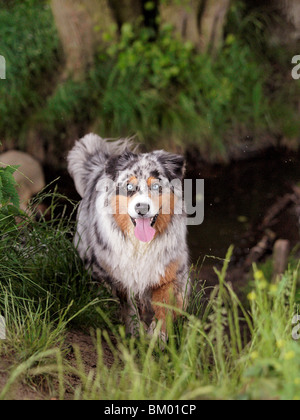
(174, 165)
(117, 164)
(111, 167)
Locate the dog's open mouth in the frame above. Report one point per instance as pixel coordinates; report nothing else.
(144, 228)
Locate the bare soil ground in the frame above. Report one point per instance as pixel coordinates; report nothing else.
(87, 347)
(41, 391)
(20, 390)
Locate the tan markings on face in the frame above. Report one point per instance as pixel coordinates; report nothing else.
(151, 181)
(133, 180)
(166, 293)
(119, 205)
(166, 204)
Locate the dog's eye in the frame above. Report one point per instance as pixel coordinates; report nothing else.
(155, 187)
(130, 187)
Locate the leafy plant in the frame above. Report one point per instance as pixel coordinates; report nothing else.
(9, 198)
(8, 192)
(166, 89)
(30, 45)
(148, 83)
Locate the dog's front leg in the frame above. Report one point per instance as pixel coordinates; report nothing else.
(166, 294)
(130, 316)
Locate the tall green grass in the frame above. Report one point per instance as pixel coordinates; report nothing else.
(43, 283)
(230, 352)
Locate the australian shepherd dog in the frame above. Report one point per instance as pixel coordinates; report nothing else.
(131, 229)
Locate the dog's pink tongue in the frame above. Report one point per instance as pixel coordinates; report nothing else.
(143, 230)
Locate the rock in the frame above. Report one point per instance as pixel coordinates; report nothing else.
(29, 177)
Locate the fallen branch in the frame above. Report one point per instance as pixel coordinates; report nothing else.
(263, 246)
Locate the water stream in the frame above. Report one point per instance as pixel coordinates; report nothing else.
(237, 197)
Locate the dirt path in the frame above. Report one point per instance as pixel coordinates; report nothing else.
(84, 342)
(19, 391)
(88, 352)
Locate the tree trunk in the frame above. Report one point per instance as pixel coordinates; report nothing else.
(199, 21)
(184, 18)
(212, 19)
(286, 30)
(80, 24)
(126, 10)
(291, 9)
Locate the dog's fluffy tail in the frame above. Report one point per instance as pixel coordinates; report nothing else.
(90, 154)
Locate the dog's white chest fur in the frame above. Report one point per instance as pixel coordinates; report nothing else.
(138, 265)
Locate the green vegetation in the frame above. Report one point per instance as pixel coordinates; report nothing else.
(167, 91)
(8, 192)
(9, 198)
(168, 94)
(152, 85)
(40, 265)
(267, 268)
(30, 45)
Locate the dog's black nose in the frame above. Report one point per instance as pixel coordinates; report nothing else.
(142, 209)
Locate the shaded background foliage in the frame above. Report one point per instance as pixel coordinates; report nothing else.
(210, 74)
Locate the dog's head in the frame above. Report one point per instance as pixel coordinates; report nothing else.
(147, 192)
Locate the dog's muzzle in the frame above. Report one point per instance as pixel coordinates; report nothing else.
(144, 216)
(142, 209)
